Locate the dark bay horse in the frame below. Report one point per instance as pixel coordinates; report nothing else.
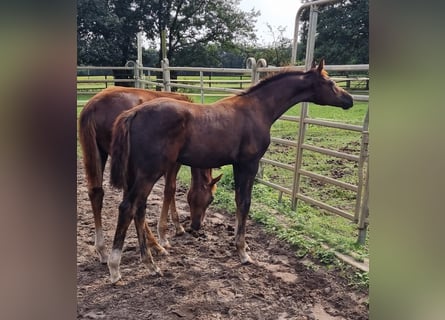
(234, 130)
(95, 127)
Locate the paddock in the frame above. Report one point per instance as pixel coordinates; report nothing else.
(290, 177)
(203, 278)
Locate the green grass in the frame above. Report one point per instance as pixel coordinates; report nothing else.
(309, 229)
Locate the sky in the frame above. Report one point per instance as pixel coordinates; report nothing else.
(276, 13)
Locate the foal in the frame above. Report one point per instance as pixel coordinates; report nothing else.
(95, 126)
(234, 130)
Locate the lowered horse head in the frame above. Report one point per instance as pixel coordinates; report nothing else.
(200, 195)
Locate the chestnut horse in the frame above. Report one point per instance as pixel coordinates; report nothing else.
(95, 126)
(234, 130)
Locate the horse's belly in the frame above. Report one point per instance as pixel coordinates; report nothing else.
(208, 158)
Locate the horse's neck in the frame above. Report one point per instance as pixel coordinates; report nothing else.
(200, 176)
(276, 97)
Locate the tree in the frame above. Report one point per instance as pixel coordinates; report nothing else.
(107, 28)
(342, 33)
(279, 52)
(106, 31)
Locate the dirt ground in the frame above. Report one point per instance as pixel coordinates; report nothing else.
(202, 276)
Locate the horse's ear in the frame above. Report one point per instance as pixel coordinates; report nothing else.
(212, 183)
(215, 180)
(313, 64)
(321, 65)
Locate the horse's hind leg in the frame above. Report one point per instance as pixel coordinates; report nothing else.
(146, 239)
(132, 207)
(96, 195)
(169, 202)
(126, 214)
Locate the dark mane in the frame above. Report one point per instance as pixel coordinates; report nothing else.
(269, 79)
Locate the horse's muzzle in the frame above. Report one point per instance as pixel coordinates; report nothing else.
(348, 103)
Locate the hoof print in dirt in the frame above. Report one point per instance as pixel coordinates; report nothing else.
(196, 233)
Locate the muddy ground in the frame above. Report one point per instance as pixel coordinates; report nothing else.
(202, 276)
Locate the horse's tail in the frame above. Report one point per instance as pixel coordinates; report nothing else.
(120, 150)
(90, 150)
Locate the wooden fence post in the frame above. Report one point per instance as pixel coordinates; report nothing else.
(166, 74)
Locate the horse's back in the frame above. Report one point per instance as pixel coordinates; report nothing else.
(103, 108)
(160, 114)
(115, 100)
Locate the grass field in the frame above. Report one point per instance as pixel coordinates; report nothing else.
(309, 228)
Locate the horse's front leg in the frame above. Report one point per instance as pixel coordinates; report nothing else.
(173, 212)
(179, 229)
(152, 243)
(169, 202)
(244, 177)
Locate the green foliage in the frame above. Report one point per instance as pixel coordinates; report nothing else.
(360, 279)
(107, 29)
(325, 256)
(342, 33)
(227, 180)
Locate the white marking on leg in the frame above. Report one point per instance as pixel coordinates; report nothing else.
(150, 264)
(241, 246)
(99, 244)
(179, 229)
(163, 241)
(113, 265)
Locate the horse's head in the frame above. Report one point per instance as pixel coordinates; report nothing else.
(200, 196)
(326, 91)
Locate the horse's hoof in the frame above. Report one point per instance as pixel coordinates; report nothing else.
(103, 257)
(194, 233)
(164, 244)
(180, 231)
(163, 252)
(245, 258)
(118, 283)
(116, 278)
(155, 271)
